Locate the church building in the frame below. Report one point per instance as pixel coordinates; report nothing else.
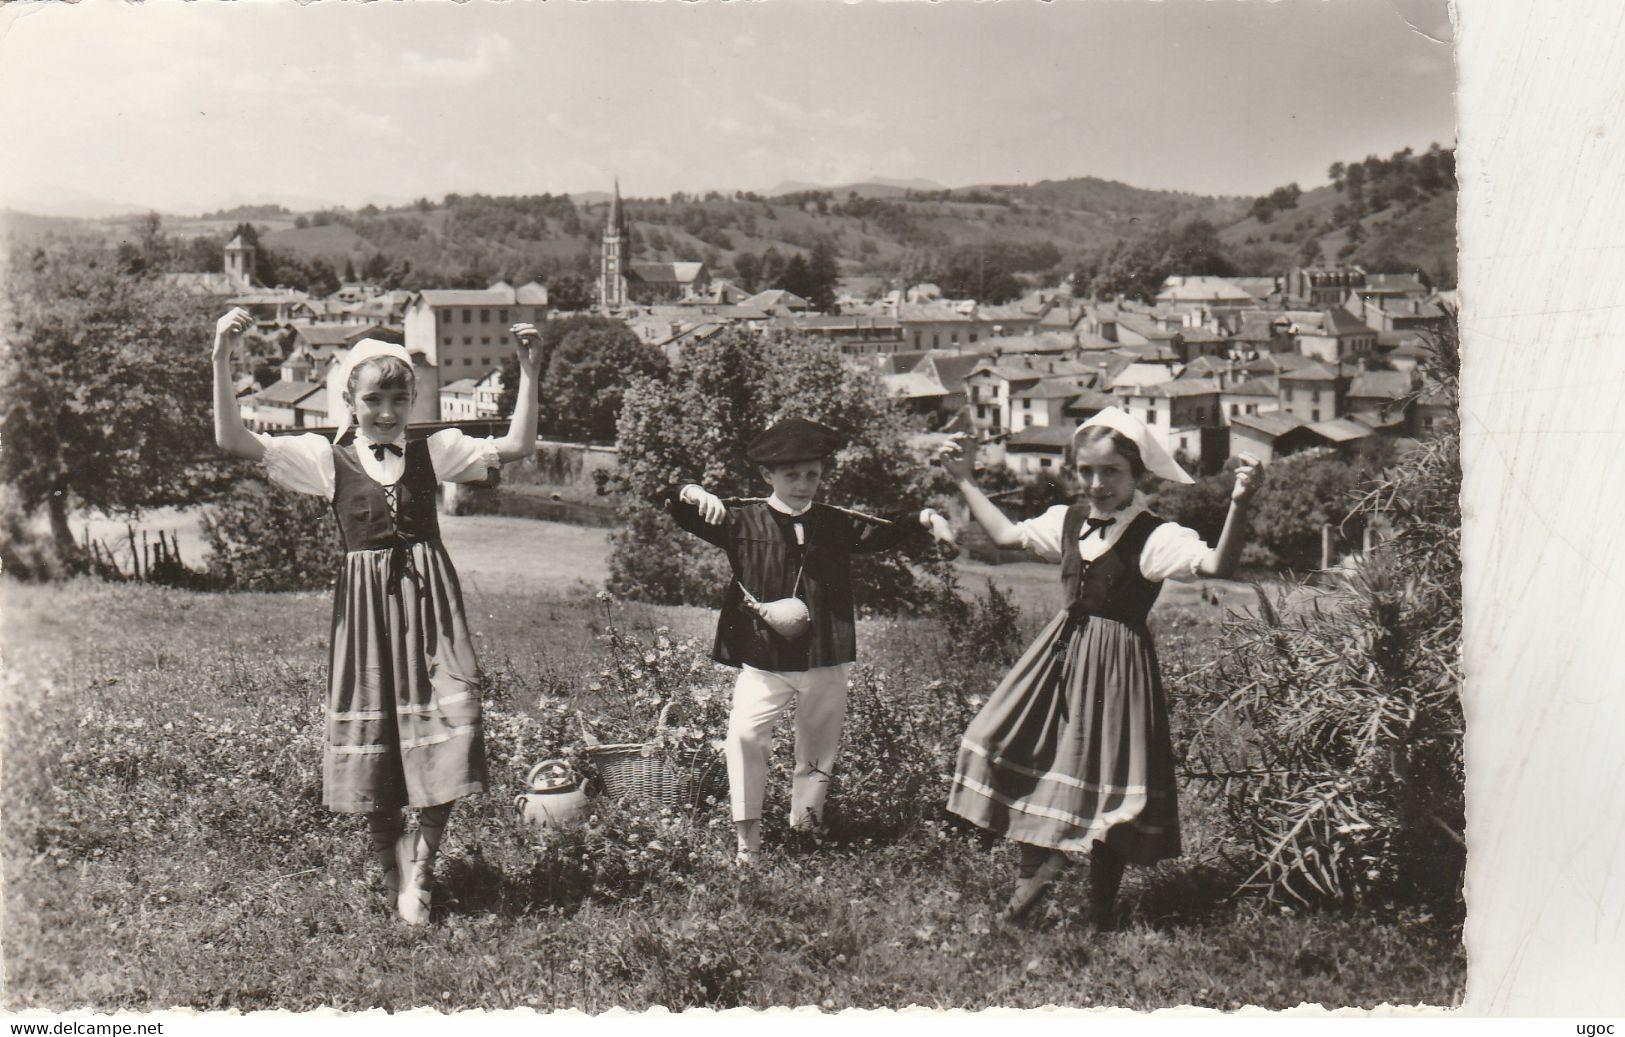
(623, 283)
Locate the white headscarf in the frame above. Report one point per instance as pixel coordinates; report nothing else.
(338, 378)
(1156, 457)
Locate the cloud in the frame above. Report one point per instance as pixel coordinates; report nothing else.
(736, 127)
(490, 53)
(780, 107)
(354, 118)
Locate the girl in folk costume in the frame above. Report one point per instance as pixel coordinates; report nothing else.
(403, 719)
(1072, 750)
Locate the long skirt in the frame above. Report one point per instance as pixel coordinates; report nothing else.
(1073, 746)
(403, 720)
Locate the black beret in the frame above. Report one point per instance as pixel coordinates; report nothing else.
(791, 440)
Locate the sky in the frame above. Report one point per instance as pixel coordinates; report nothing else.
(188, 107)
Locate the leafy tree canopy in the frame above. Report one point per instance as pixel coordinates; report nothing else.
(107, 401)
(695, 426)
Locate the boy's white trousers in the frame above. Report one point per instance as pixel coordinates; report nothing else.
(759, 697)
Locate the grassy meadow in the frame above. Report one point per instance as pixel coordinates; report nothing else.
(164, 842)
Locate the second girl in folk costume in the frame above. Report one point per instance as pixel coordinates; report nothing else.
(1072, 751)
(786, 618)
(403, 707)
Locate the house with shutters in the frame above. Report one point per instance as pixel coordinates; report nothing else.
(1248, 396)
(1313, 392)
(1183, 415)
(1038, 450)
(1334, 335)
(1382, 398)
(457, 400)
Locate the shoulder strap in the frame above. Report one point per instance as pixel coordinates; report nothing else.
(1073, 522)
(1139, 530)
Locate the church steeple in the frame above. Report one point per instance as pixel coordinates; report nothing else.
(612, 265)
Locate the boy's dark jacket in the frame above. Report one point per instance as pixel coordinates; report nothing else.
(764, 556)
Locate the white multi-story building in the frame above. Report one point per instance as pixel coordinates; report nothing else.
(463, 332)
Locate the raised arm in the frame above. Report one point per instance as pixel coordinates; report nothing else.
(521, 438)
(701, 513)
(1221, 560)
(959, 467)
(230, 434)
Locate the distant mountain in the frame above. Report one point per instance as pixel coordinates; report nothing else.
(879, 187)
(54, 200)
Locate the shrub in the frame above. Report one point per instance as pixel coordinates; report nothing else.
(265, 538)
(26, 553)
(1346, 778)
(695, 427)
(898, 750)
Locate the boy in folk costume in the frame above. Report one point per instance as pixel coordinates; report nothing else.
(786, 618)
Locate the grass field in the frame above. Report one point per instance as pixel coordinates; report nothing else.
(165, 845)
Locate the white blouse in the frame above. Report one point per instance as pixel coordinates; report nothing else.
(304, 463)
(1172, 552)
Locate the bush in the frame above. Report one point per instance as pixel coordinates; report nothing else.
(1301, 494)
(1335, 730)
(264, 538)
(898, 751)
(26, 553)
(695, 426)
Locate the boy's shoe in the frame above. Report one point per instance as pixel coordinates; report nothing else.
(1030, 889)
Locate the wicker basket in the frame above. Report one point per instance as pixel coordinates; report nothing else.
(646, 773)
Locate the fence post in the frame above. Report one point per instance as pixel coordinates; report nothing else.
(135, 555)
(1326, 546)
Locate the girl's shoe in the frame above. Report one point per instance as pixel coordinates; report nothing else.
(414, 855)
(1030, 889)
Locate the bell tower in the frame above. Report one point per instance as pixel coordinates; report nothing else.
(240, 262)
(612, 264)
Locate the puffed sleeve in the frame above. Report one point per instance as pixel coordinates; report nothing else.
(303, 463)
(1042, 535)
(460, 458)
(1172, 552)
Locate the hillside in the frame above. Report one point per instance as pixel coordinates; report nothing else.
(1397, 213)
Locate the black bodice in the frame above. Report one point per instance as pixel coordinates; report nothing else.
(368, 519)
(1111, 586)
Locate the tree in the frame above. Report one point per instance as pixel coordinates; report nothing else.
(694, 427)
(1303, 493)
(586, 364)
(569, 292)
(1284, 198)
(822, 273)
(587, 372)
(747, 267)
(107, 401)
(793, 278)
